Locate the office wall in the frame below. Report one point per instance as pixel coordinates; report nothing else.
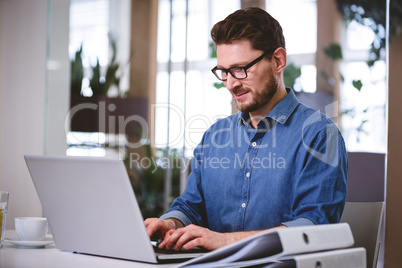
(26, 124)
(58, 79)
(22, 104)
(393, 234)
(2, 70)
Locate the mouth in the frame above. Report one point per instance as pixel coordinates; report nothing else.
(240, 95)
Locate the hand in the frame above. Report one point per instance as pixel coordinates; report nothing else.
(158, 227)
(193, 236)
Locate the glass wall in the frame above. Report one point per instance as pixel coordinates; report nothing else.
(299, 24)
(95, 27)
(188, 99)
(187, 102)
(363, 91)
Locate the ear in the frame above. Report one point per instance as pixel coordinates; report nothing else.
(279, 57)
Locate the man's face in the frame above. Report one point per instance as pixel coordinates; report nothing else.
(252, 94)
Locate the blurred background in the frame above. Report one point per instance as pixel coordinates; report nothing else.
(131, 79)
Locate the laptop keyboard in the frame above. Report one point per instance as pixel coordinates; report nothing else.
(172, 251)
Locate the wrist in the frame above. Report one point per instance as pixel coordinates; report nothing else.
(236, 236)
(230, 238)
(174, 223)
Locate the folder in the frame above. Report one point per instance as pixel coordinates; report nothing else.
(339, 258)
(276, 243)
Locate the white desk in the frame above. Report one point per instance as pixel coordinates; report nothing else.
(50, 257)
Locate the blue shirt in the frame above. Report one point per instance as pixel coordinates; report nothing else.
(291, 170)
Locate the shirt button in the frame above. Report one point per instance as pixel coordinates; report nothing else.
(248, 174)
(243, 205)
(254, 144)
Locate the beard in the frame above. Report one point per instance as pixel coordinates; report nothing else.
(260, 99)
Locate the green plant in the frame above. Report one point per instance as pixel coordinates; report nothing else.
(212, 55)
(147, 176)
(147, 182)
(77, 73)
(373, 14)
(290, 74)
(99, 84)
(334, 52)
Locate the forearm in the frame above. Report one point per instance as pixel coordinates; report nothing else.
(236, 236)
(196, 236)
(174, 223)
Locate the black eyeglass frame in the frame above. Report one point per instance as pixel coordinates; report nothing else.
(230, 70)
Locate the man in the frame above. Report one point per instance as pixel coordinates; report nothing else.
(276, 163)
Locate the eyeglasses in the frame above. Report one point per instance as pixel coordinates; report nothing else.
(239, 72)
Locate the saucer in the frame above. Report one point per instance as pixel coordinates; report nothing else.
(30, 244)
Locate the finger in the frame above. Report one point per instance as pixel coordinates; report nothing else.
(180, 236)
(187, 237)
(148, 221)
(173, 237)
(151, 230)
(162, 244)
(196, 242)
(153, 227)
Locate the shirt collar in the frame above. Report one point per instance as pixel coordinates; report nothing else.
(281, 112)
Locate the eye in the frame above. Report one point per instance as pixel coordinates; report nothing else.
(224, 73)
(237, 70)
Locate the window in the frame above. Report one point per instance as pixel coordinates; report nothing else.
(90, 33)
(299, 25)
(92, 22)
(187, 102)
(363, 119)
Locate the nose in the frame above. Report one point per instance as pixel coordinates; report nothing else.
(232, 82)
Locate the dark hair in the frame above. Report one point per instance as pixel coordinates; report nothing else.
(253, 24)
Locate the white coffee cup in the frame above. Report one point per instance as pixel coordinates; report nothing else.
(31, 228)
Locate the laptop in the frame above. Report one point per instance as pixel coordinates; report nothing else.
(91, 208)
